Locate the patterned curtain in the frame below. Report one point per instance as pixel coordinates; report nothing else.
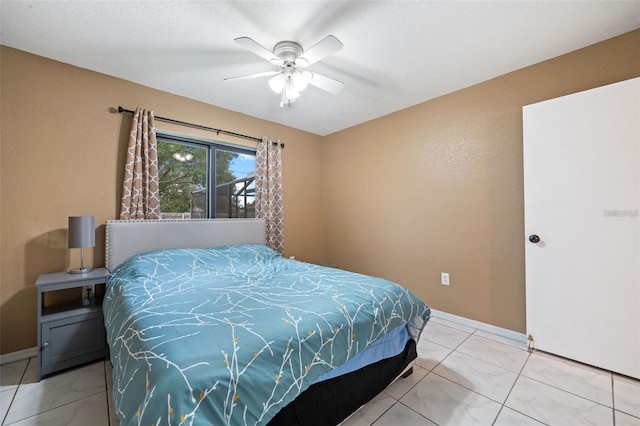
(140, 189)
(269, 192)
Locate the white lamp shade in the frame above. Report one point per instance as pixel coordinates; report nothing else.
(290, 90)
(301, 79)
(284, 101)
(82, 231)
(277, 83)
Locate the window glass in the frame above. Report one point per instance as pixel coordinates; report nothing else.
(188, 189)
(235, 184)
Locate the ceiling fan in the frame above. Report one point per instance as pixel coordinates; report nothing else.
(289, 56)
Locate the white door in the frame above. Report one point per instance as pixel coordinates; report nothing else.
(582, 195)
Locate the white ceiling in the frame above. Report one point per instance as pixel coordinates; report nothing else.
(396, 53)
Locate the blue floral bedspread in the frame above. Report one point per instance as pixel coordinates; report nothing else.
(230, 335)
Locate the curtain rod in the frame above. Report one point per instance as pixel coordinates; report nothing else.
(197, 126)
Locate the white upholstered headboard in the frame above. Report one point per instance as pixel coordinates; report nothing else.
(124, 238)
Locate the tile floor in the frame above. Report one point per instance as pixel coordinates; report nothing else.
(463, 377)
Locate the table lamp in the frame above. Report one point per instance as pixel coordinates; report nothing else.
(81, 235)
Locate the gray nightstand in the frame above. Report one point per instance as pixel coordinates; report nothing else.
(70, 333)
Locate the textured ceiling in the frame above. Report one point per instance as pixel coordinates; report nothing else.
(395, 55)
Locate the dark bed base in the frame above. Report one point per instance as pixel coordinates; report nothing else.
(330, 402)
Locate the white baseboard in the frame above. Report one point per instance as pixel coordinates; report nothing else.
(509, 334)
(18, 355)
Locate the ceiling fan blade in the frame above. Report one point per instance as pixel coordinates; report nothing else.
(322, 49)
(258, 49)
(256, 75)
(326, 83)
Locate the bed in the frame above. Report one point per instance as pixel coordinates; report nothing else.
(208, 326)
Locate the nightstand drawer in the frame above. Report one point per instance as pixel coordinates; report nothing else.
(78, 338)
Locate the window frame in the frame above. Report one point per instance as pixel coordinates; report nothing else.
(212, 146)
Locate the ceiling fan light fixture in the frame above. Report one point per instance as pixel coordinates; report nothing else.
(290, 89)
(300, 80)
(288, 55)
(276, 83)
(183, 158)
(284, 101)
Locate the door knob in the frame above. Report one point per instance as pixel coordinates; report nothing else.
(534, 238)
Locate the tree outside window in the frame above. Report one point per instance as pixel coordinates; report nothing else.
(186, 187)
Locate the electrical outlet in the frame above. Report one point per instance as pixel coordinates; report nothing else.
(444, 278)
(87, 292)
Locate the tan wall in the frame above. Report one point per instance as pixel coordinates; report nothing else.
(436, 187)
(439, 186)
(62, 152)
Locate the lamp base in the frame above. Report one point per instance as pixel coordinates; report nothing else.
(80, 270)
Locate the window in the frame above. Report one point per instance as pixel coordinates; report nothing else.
(199, 177)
